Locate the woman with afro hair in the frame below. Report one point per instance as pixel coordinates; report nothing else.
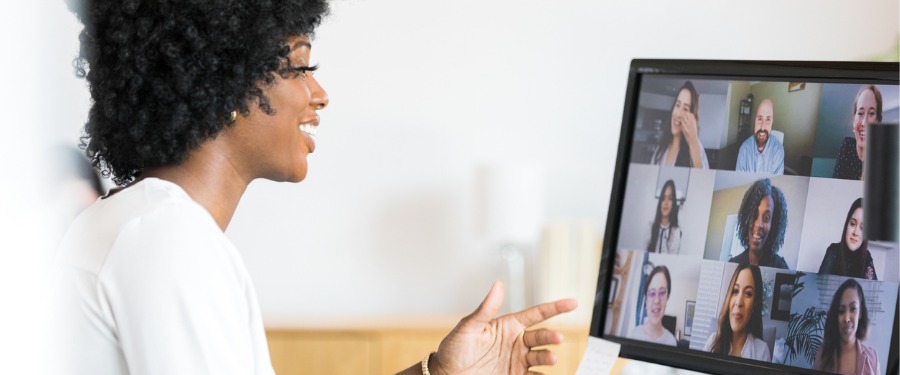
(762, 221)
(191, 101)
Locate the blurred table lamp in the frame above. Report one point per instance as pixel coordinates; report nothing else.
(511, 213)
(882, 187)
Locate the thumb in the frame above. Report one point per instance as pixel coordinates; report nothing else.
(491, 304)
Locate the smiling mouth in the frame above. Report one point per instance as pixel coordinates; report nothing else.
(757, 237)
(310, 129)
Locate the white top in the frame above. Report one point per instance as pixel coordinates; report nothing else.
(638, 333)
(149, 284)
(754, 348)
(668, 240)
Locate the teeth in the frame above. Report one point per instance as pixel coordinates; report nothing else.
(308, 129)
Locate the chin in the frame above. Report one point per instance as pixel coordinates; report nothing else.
(295, 175)
(298, 177)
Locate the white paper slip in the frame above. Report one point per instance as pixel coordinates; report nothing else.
(599, 357)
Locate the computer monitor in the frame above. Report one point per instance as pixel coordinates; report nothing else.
(734, 239)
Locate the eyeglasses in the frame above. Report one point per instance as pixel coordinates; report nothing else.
(654, 293)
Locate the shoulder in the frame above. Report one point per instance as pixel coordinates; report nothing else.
(755, 348)
(743, 257)
(778, 145)
(868, 350)
(707, 347)
(747, 144)
(169, 239)
(818, 363)
(637, 333)
(172, 236)
(778, 262)
(759, 345)
(829, 258)
(848, 144)
(659, 154)
(151, 214)
(870, 357)
(832, 250)
(669, 339)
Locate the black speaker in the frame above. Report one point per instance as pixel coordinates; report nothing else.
(882, 188)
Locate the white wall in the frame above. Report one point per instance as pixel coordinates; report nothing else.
(422, 93)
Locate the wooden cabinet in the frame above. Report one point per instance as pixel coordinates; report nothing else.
(321, 352)
(383, 349)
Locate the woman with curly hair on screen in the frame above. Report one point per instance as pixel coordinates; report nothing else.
(762, 221)
(851, 256)
(192, 101)
(740, 322)
(846, 325)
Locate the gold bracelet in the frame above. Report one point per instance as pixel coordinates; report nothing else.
(425, 364)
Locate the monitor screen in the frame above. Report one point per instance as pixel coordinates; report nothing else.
(734, 241)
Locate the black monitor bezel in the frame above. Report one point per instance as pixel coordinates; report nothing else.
(793, 71)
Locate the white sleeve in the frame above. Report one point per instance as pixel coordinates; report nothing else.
(707, 347)
(703, 159)
(178, 300)
(674, 245)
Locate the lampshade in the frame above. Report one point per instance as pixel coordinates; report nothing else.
(511, 206)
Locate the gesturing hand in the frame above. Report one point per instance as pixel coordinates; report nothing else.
(483, 344)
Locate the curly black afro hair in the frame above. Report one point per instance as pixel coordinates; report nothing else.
(749, 209)
(165, 75)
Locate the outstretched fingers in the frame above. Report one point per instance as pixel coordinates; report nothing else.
(491, 304)
(544, 311)
(540, 358)
(541, 337)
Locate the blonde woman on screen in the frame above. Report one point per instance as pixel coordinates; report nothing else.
(867, 109)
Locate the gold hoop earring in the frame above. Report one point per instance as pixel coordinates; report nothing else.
(233, 115)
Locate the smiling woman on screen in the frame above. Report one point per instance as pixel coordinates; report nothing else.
(740, 322)
(656, 296)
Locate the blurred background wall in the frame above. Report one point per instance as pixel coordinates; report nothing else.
(423, 94)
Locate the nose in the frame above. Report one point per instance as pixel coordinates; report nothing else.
(318, 96)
